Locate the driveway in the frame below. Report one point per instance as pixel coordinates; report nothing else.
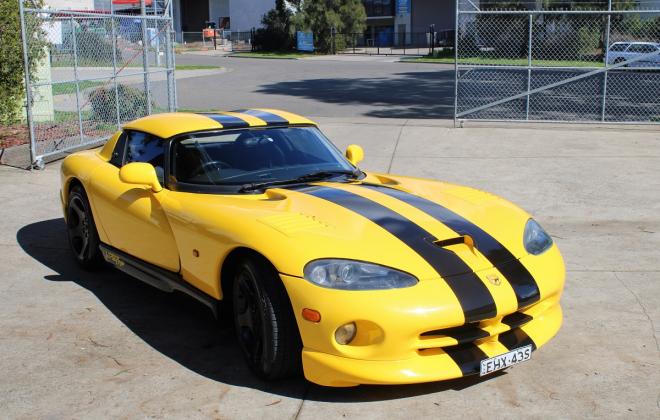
(345, 86)
(92, 345)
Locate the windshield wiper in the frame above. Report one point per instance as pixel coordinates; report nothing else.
(314, 176)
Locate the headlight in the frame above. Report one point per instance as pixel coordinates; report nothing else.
(536, 239)
(355, 275)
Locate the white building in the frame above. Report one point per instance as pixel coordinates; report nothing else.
(237, 15)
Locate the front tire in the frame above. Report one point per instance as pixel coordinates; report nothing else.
(81, 230)
(265, 325)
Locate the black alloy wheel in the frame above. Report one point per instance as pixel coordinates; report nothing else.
(264, 321)
(81, 230)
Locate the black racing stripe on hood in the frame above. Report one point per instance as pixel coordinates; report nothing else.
(468, 357)
(475, 299)
(227, 121)
(523, 283)
(514, 339)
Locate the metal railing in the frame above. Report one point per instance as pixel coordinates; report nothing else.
(98, 71)
(587, 66)
(408, 43)
(223, 40)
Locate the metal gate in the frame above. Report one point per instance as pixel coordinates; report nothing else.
(98, 69)
(587, 66)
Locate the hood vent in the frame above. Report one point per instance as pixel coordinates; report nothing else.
(465, 239)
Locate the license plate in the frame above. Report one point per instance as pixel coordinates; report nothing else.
(505, 360)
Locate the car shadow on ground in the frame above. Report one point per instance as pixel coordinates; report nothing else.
(184, 330)
(406, 95)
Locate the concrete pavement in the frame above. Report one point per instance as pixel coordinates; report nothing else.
(81, 345)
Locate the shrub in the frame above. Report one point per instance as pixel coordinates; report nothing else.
(132, 103)
(91, 47)
(12, 77)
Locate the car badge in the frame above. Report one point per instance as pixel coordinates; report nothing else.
(494, 279)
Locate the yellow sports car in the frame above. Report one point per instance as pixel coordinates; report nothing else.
(351, 277)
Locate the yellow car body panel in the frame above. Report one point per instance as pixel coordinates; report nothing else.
(403, 334)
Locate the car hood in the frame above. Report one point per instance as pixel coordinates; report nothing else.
(422, 227)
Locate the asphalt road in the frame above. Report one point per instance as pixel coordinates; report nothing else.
(350, 86)
(346, 88)
(102, 345)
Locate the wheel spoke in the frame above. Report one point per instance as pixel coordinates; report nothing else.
(78, 227)
(77, 207)
(244, 319)
(83, 248)
(248, 320)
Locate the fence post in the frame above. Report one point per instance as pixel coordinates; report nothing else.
(332, 40)
(529, 65)
(28, 90)
(456, 15)
(170, 59)
(114, 62)
(606, 46)
(75, 75)
(145, 57)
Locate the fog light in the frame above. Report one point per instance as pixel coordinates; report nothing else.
(346, 333)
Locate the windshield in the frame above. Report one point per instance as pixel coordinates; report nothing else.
(240, 157)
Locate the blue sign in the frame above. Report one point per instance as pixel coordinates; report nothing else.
(305, 41)
(402, 7)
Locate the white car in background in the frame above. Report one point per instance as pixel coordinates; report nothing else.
(624, 51)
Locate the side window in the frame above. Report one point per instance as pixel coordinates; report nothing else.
(642, 48)
(142, 147)
(117, 158)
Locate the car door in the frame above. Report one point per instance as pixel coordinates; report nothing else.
(133, 216)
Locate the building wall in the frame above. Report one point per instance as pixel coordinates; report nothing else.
(247, 14)
(70, 4)
(218, 9)
(441, 13)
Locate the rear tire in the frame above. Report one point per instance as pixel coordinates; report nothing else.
(81, 230)
(265, 325)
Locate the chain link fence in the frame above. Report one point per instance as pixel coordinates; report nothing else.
(100, 70)
(573, 65)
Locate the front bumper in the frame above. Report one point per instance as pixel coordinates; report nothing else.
(428, 365)
(403, 335)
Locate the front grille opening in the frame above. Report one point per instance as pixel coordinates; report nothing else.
(472, 332)
(464, 334)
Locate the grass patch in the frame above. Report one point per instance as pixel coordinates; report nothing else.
(68, 116)
(195, 110)
(273, 54)
(505, 61)
(70, 88)
(196, 67)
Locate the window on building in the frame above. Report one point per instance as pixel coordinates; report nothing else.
(375, 8)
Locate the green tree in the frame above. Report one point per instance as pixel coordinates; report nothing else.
(12, 77)
(277, 33)
(321, 16)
